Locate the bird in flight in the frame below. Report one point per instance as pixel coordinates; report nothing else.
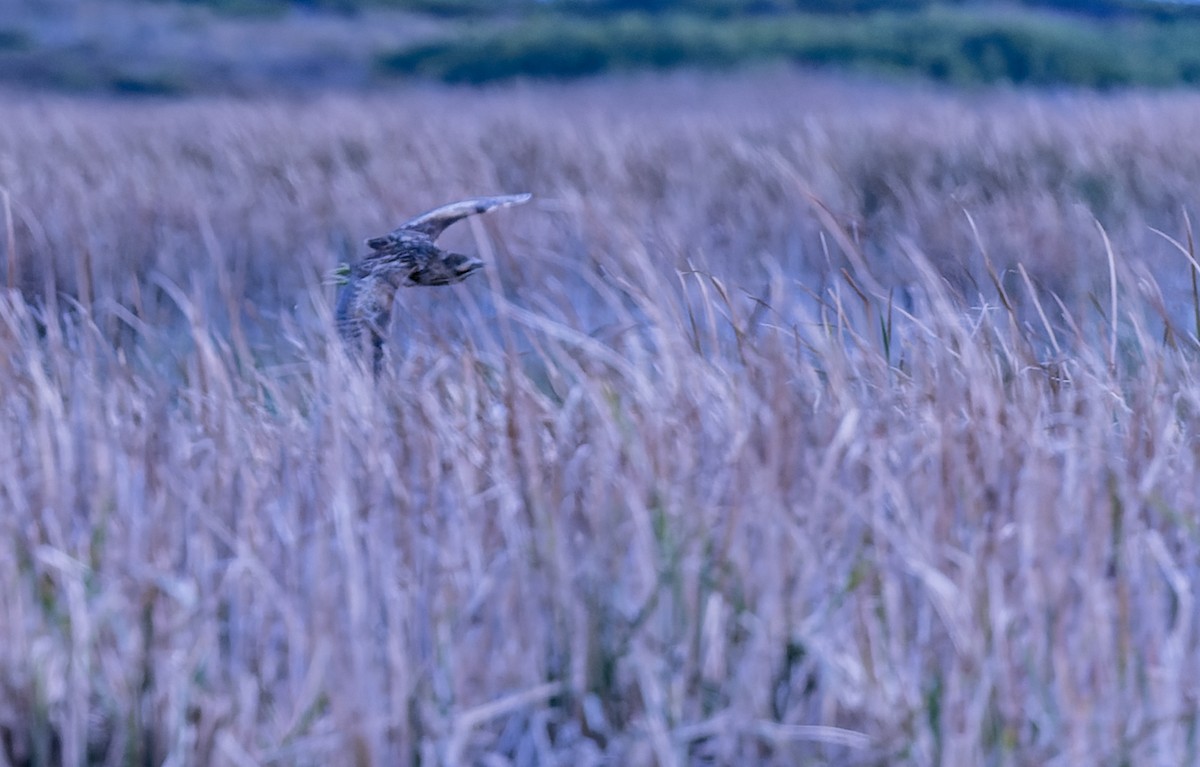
(404, 257)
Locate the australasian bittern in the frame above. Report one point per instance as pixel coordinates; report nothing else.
(402, 258)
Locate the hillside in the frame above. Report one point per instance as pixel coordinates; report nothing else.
(169, 47)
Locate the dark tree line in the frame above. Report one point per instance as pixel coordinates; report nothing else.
(1159, 9)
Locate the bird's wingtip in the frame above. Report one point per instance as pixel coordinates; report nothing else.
(485, 204)
(517, 199)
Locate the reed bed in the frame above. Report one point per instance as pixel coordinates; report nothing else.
(798, 421)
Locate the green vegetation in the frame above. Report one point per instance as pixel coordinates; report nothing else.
(263, 45)
(13, 40)
(723, 8)
(953, 46)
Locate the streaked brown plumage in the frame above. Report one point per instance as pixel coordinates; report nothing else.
(406, 257)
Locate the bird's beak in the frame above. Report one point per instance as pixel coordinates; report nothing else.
(469, 266)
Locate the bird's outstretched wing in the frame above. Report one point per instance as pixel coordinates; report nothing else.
(435, 221)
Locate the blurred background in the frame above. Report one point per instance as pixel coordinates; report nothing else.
(165, 47)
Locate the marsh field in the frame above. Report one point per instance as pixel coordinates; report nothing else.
(798, 420)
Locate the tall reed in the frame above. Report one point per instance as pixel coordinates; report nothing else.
(775, 434)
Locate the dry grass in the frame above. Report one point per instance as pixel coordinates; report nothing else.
(738, 455)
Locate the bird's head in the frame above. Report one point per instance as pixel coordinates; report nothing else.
(446, 269)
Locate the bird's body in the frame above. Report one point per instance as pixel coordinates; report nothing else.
(405, 257)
